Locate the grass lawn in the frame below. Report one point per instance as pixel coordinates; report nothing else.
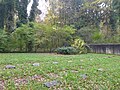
(74, 72)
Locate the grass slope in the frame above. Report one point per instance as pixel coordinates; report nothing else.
(103, 71)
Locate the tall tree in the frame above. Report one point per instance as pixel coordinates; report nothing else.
(9, 15)
(2, 14)
(22, 11)
(116, 9)
(34, 11)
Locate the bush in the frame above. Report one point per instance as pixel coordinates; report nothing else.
(80, 45)
(67, 50)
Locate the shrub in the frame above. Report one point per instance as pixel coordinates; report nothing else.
(67, 50)
(80, 45)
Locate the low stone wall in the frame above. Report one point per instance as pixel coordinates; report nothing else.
(105, 48)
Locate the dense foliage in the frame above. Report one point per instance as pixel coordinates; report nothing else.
(94, 21)
(80, 45)
(35, 37)
(67, 50)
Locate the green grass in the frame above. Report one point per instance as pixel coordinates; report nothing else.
(68, 71)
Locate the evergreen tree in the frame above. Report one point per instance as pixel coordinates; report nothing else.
(34, 11)
(9, 15)
(2, 15)
(22, 11)
(116, 9)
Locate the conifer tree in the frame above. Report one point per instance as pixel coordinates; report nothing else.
(34, 11)
(22, 11)
(1, 15)
(9, 12)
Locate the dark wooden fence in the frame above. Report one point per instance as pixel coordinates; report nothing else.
(105, 48)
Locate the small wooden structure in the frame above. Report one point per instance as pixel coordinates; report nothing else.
(105, 48)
